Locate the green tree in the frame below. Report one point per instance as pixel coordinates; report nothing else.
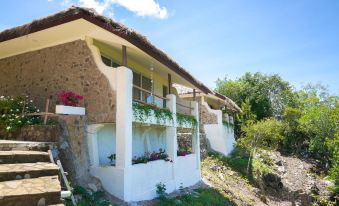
(259, 95)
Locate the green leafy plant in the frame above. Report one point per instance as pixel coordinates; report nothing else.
(13, 112)
(111, 158)
(161, 191)
(183, 119)
(88, 198)
(141, 112)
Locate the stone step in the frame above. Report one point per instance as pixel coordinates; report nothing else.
(8, 145)
(30, 192)
(12, 157)
(27, 170)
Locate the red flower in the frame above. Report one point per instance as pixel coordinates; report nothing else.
(69, 98)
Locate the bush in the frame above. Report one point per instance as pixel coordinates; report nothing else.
(320, 124)
(12, 113)
(265, 134)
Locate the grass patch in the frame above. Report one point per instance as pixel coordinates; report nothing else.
(237, 160)
(199, 197)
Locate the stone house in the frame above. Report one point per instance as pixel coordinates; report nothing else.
(216, 118)
(132, 109)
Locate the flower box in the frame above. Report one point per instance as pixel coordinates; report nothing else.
(62, 109)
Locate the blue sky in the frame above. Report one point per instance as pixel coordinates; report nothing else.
(298, 39)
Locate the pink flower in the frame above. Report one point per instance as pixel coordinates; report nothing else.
(69, 98)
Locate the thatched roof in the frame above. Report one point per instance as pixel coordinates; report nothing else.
(228, 102)
(116, 28)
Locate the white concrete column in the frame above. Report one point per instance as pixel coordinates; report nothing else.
(92, 143)
(124, 118)
(124, 115)
(196, 137)
(171, 132)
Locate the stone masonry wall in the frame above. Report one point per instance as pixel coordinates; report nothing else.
(36, 133)
(43, 73)
(206, 117)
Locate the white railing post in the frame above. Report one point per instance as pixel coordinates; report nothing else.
(196, 136)
(124, 118)
(171, 132)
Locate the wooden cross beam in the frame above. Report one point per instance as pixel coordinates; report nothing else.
(44, 114)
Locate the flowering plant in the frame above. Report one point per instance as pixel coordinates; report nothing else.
(161, 155)
(13, 110)
(183, 153)
(69, 98)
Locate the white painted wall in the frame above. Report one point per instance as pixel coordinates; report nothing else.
(106, 143)
(148, 138)
(138, 182)
(187, 171)
(146, 176)
(220, 137)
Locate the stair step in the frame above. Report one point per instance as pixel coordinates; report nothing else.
(27, 170)
(11, 157)
(8, 145)
(30, 192)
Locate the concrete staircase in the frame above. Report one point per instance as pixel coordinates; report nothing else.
(27, 176)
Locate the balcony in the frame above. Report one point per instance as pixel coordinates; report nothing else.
(153, 109)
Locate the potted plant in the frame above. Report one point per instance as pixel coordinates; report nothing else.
(69, 103)
(112, 158)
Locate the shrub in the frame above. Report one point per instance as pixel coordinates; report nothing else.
(266, 134)
(320, 124)
(13, 110)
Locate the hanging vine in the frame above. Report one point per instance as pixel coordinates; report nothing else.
(142, 112)
(183, 119)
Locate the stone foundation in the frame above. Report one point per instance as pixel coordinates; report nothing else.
(35, 133)
(73, 151)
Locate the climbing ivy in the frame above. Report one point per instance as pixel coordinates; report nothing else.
(183, 119)
(142, 112)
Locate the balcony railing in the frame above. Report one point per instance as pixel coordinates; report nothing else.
(184, 107)
(148, 98)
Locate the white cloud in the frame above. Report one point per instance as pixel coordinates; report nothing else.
(143, 7)
(100, 7)
(139, 7)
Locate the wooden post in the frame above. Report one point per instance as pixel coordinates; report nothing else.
(124, 55)
(46, 111)
(194, 95)
(169, 84)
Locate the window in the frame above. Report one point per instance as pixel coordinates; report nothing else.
(144, 83)
(164, 94)
(109, 62)
(136, 82)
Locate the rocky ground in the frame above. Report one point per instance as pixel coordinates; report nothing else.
(298, 181)
(291, 184)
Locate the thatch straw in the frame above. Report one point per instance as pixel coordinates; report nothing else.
(74, 13)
